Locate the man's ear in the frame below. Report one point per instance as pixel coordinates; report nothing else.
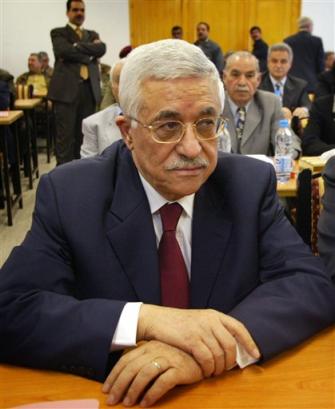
(124, 125)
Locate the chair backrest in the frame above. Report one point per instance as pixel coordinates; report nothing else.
(24, 91)
(309, 192)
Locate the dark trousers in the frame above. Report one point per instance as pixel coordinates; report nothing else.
(68, 119)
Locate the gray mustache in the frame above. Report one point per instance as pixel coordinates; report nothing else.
(184, 163)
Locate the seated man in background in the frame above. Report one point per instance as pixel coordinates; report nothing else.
(46, 69)
(8, 78)
(319, 134)
(253, 115)
(329, 60)
(141, 244)
(326, 83)
(100, 129)
(292, 91)
(326, 226)
(108, 98)
(35, 76)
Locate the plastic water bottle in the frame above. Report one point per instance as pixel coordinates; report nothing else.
(283, 152)
(224, 141)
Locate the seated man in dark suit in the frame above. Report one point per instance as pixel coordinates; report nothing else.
(326, 226)
(326, 83)
(291, 90)
(158, 240)
(319, 134)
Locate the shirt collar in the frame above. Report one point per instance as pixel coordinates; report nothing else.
(274, 81)
(234, 107)
(156, 200)
(74, 27)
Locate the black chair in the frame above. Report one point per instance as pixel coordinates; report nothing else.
(308, 206)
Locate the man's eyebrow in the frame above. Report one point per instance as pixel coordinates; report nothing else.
(208, 111)
(167, 115)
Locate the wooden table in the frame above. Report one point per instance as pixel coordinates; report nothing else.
(28, 106)
(303, 378)
(6, 121)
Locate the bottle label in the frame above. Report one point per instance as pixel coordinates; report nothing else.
(283, 164)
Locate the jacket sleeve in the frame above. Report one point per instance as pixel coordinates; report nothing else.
(90, 48)
(66, 50)
(295, 297)
(43, 324)
(326, 227)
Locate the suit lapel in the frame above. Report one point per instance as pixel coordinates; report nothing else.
(253, 118)
(210, 234)
(288, 94)
(131, 233)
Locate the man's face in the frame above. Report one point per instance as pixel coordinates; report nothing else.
(45, 62)
(202, 32)
(34, 65)
(329, 62)
(256, 35)
(76, 14)
(177, 169)
(241, 80)
(279, 64)
(177, 34)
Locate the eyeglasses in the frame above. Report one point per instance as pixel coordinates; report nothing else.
(172, 131)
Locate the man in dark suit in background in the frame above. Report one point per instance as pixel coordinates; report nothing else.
(159, 240)
(308, 53)
(319, 134)
(75, 84)
(260, 47)
(291, 90)
(211, 49)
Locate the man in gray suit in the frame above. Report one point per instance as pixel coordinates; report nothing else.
(253, 115)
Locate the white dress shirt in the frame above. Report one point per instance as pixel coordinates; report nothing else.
(125, 333)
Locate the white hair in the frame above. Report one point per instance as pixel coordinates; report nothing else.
(281, 47)
(304, 23)
(241, 55)
(163, 60)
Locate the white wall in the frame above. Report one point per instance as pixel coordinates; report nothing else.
(322, 12)
(25, 27)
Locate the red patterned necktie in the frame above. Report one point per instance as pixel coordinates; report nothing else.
(174, 278)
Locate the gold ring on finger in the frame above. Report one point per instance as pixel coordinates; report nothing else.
(157, 365)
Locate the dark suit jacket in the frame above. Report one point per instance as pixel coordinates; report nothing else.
(213, 52)
(326, 239)
(92, 247)
(325, 84)
(295, 91)
(319, 134)
(64, 84)
(260, 51)
(308, 60)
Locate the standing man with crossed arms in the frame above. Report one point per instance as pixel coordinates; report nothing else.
(75, 85)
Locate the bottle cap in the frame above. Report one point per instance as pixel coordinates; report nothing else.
(283, 123)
